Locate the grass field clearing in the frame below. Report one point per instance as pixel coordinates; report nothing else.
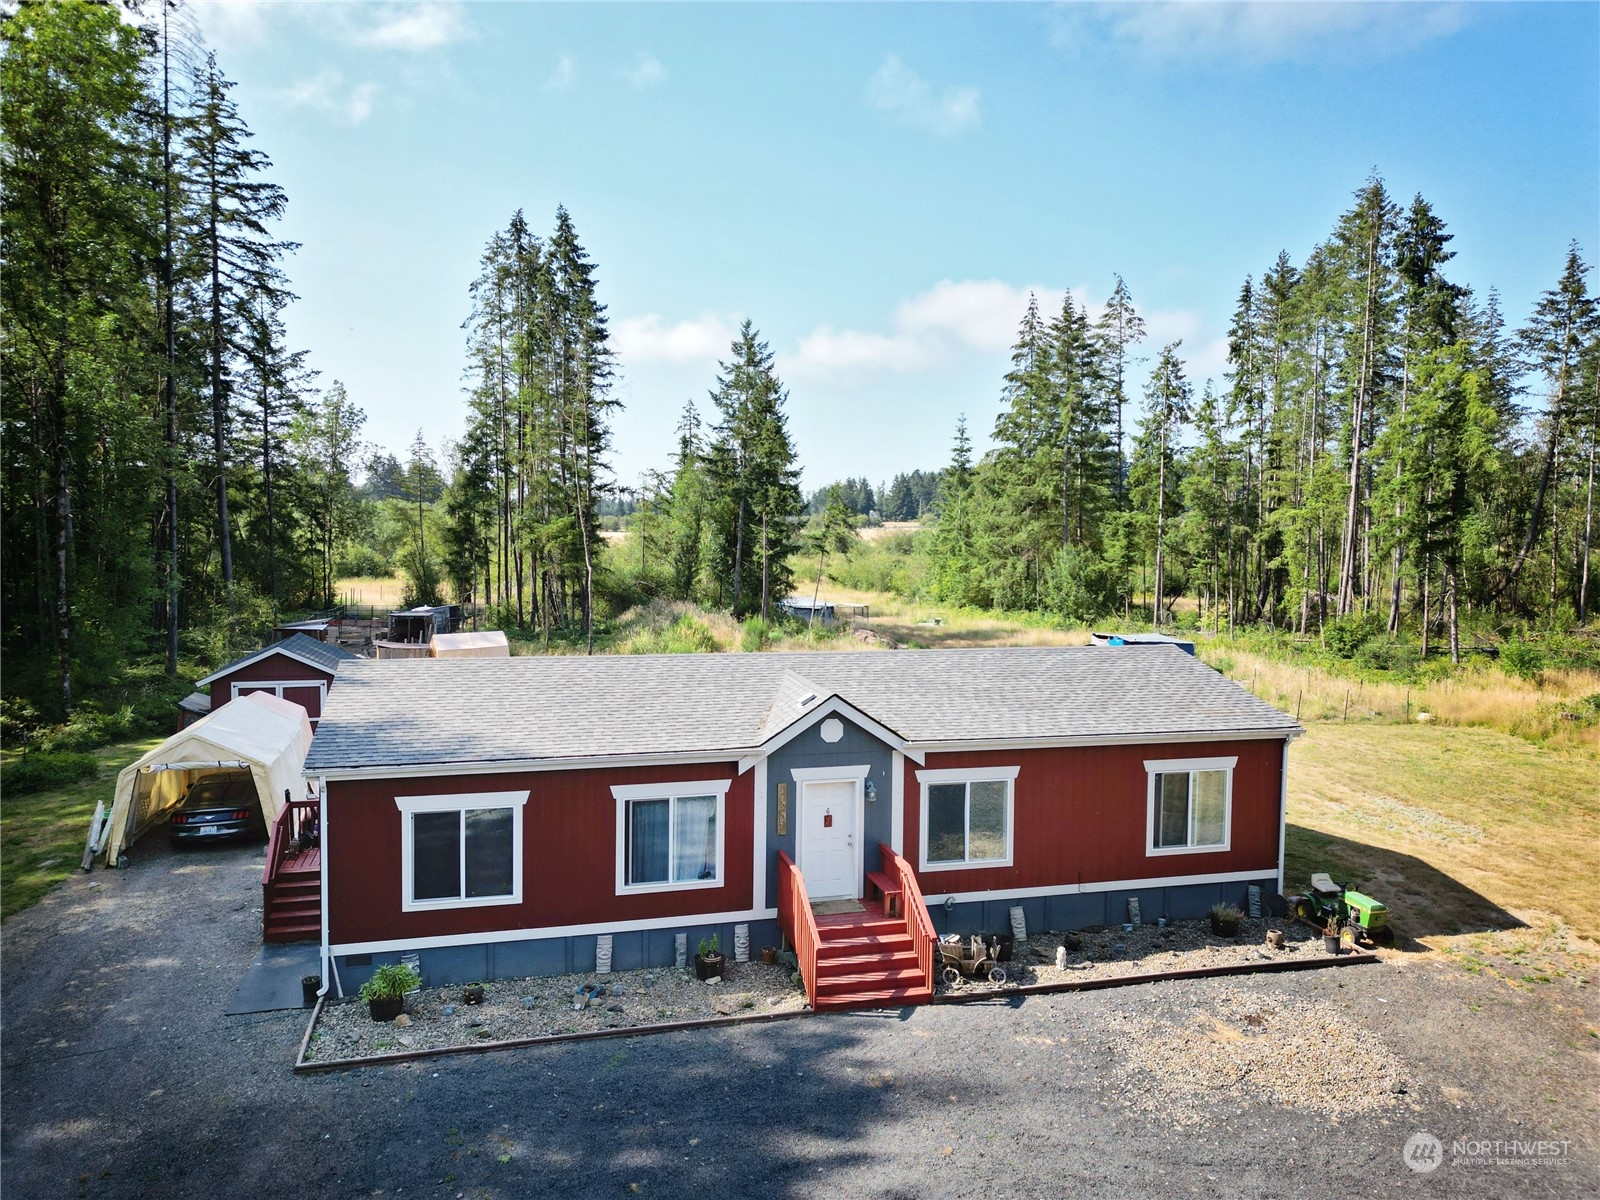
(42, 835)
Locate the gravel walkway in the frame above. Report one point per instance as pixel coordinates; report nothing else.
(513, 1009)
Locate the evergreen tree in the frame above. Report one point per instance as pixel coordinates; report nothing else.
(1155, 476)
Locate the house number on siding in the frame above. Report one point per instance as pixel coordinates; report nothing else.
(783, 809)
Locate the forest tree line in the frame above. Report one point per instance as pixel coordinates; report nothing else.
(1386, 446)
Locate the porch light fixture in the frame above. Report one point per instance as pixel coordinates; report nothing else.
(872, 792)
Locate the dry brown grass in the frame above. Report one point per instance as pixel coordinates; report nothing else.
(1479, 696)
(910, 623)
(382, 592)
(1458, 830)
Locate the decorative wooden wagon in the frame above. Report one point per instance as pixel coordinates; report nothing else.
(971, 958)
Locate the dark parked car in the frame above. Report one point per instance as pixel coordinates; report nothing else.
(220, 805)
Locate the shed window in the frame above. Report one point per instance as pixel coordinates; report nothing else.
(1190, 804)
(966, 817)
(461, 850)
(670, 835)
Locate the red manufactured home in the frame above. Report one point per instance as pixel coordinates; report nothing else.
(299, 669)
(497, 817)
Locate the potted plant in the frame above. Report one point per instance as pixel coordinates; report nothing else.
(1330, 936)
(708, 960)
(310, 985)
(385, 992)
(769, 955)
(1225, 920)
(472, 994)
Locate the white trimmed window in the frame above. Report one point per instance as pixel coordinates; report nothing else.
(670, 835)
(1190, 805)
(460, 851)
(967, 817)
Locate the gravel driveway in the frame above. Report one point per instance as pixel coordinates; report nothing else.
(123, 1078)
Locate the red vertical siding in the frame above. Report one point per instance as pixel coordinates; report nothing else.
(1080, 816)
(568, 854)
(275, 668)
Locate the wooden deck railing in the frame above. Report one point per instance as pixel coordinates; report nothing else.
(919, 925)
(798, 922)
(295, 818)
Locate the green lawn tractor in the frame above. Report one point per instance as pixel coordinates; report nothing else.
(1368, 919)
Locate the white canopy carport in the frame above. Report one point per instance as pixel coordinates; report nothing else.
(487, 643)
(257, 732)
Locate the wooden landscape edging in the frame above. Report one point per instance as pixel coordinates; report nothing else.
(303, 1067)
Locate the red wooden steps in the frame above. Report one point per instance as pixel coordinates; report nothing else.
(866, 961)
(293, 907)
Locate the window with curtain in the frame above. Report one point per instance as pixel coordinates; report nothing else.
(1190, 809)
(671, 840)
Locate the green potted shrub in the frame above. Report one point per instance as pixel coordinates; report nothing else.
(708, 962)
(385, 992)
(1225, 920)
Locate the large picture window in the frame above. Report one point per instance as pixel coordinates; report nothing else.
(461, 851)
(1190, 804)
(670, 836)
(967, 817)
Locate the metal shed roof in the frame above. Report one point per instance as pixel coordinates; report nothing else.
(402, 713)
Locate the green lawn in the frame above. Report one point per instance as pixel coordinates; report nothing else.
(41, 836)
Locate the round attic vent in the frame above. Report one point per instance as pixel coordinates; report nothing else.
(832, 729)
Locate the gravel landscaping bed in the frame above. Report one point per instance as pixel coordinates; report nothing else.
(1236, 1046)
(1107, 952)
(543, 1006)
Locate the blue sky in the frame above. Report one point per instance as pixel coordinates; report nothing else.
(879, 187)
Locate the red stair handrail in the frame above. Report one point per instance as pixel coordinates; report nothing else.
(291, 822)
(919, 924)
(798, 922)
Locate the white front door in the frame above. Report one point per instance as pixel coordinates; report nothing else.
(829, 856)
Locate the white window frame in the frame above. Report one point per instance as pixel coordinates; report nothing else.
(625, 794)
(1178, 766)
(276, 686)
(409, 806)
(1006, 775)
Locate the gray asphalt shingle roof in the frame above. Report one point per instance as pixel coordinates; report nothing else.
(317, 653)
(402, 712)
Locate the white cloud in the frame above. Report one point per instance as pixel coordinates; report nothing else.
(327, 91)
(899, 91)
(1287, 31)
(564, 75)
(926, 330)
(978, 318)
(646, 72)
(650, 338)
(414, 27)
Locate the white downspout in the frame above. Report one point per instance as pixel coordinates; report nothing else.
(1283, 807)
(330, 973)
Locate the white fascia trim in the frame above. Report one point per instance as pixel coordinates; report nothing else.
(1175, 766)
(1121, 739)
(758, 871)
(1115, 885)
(854, 774)
(258, 656)
(626, 792)
(519, 766)
(969, 774)
(837, 706)
(897, 802)
(410, 805)
(488, 936)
